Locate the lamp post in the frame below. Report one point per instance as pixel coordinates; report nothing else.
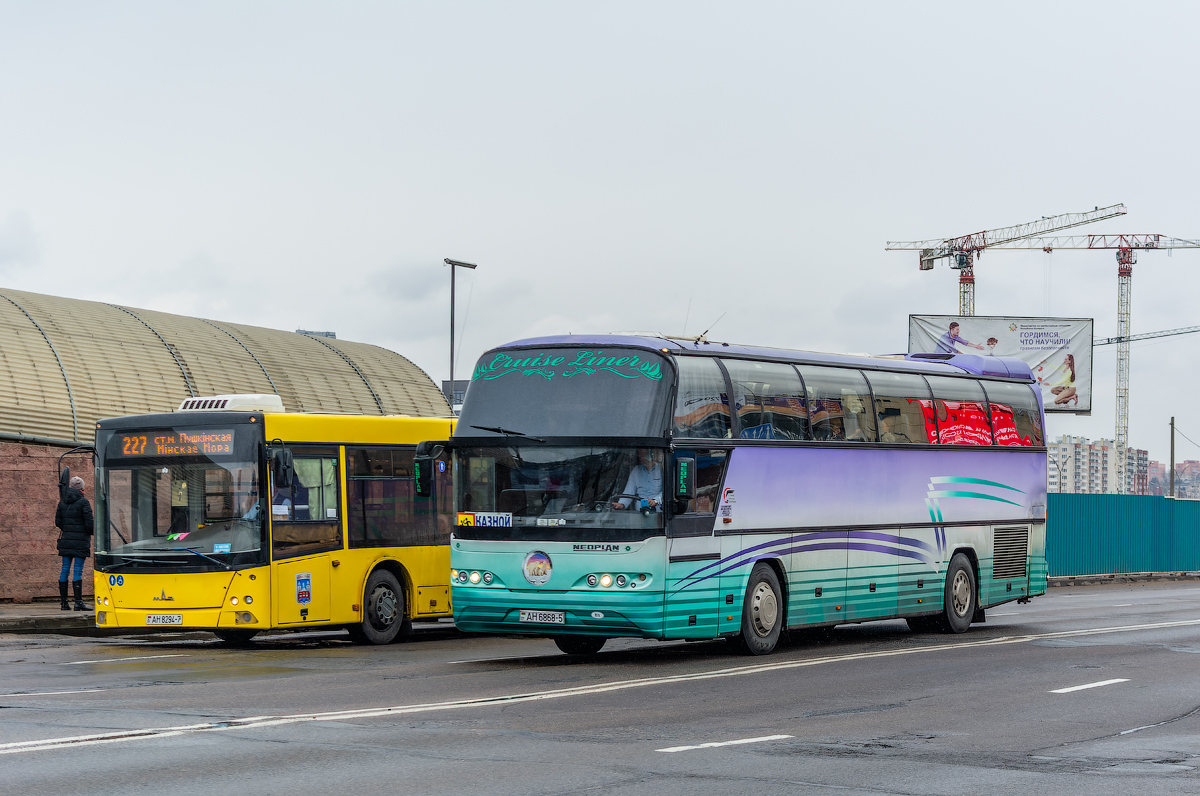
(453, 265)
(1059, 461)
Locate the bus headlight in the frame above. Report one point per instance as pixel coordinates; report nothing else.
(487, 577)
(249, 599)
(474, 577)
(233, 601)
(606, 580)
(592, 580)
(462, 576)
(620, 580)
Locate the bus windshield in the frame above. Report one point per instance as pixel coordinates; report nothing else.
(179, 497)
(568, 392)
(563, 493)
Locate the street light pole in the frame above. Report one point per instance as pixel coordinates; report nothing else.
(453, 264)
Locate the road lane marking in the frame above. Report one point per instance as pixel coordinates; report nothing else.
(1089, 685)
(724, 743)
(256, 722)
(122, 660)
(54, 693)
(1123, 605)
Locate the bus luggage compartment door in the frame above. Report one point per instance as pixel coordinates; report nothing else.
(692, 588)
(302, 590)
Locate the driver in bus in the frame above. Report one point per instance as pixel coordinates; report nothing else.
(645, 482)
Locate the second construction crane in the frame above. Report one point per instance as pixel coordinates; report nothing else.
(962, 251)
(1126, 247)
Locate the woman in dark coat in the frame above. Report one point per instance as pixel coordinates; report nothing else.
(74, 517)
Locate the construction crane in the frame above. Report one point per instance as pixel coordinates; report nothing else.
(1127, 247)
(963, 250)
(1146, 335)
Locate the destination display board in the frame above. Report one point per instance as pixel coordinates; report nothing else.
(170, 443)
(1057, 350)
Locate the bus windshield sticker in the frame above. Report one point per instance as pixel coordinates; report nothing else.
(586, 363)
(485, 519)
(303, 588)
(222, 548)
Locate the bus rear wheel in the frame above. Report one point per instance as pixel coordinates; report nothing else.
(961, 599)
(383, 610)
(235, 636)
(762, 611)
(580, 645)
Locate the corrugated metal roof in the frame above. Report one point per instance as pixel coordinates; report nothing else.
(66, 363)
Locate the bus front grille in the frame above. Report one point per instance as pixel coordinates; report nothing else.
(1011, 552)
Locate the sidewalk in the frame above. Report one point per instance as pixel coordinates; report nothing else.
(45, 617)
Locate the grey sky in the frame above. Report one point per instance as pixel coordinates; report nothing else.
(308, 165)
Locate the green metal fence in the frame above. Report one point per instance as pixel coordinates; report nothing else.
(1116, 534)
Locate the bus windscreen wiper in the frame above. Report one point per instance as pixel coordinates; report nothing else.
(508, 432)
(197, 552)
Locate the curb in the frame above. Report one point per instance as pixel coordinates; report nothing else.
(1125, 577)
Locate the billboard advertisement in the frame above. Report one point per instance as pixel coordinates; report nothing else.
(1057, 350)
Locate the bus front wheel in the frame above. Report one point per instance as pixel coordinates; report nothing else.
(762, 611)
(960, 595)
(580, 645)
(383, 610)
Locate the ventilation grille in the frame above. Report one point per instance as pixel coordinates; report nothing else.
(203, 403)
(1011, 553)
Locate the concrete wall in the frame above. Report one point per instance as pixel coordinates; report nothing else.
(29, 562)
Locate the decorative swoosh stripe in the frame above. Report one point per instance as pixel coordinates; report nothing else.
(808, 542)
(976, 495)
(958, 479)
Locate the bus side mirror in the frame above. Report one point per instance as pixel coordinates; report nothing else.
(282, 468)
(685, 478)
(424, 463)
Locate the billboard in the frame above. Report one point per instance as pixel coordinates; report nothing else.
(1057, 350)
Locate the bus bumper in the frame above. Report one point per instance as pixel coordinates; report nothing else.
(498, 610)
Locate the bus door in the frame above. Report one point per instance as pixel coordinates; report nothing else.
(306, 532)
(693, 551)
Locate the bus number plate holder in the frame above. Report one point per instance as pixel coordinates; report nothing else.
(164, 619)
(544, 617)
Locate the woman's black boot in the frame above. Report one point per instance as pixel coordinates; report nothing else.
(62, 593)
(78, 586)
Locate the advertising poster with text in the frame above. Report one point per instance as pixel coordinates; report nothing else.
(1057, 350)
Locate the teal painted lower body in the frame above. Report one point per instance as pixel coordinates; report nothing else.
(827, 578)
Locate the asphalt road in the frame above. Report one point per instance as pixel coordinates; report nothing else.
(870, 709)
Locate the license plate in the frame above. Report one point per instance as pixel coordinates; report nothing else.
(544, 617)
(164, 619)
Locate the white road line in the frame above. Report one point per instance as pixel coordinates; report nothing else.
(1123, 605)
(1011, 613)
(122, 660)
(724, 743)
(53, 693)
(575, 691)
(1089, 685)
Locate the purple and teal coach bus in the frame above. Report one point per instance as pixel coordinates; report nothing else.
(652, 487)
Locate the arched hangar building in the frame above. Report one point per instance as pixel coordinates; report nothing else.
(66, 363)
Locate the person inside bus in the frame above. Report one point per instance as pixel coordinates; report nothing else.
(645, 482)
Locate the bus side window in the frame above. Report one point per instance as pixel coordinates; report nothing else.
(839, 404)
(305, 516)
(1016, 419)
(769, 400)
(382, 507)
(961, 411)
(900, 401)
(702, 403)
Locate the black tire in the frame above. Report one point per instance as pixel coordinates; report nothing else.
(580, 645)
(961, 597)
(236, 636)
(384, 616)
(762, 612)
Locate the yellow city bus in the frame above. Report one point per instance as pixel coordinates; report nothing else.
(234, 516)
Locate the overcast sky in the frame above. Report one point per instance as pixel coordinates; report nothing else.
(610, 166)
